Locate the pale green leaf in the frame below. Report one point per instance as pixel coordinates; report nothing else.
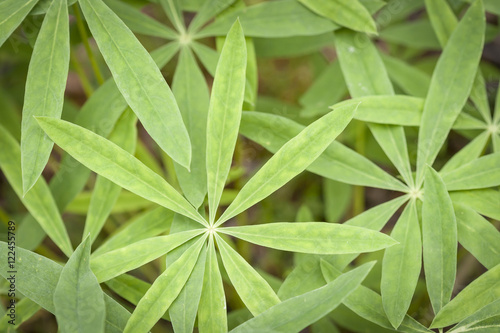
(281, 18)
(43, 5)
(212, 313)
(253, 290)
(164, 291)
(78, 298)
(485, 320)
(479, 293)
(208, 57)
(337, 162)
(286, 47)
(116, 262)
(45, 86)
(416, 34)
(291, 159)
(12, 13)
(173, 10)
(298, 312)
(478, 236)
(206, 12)
(37, 278)
(312, 237)
(224, 114)
(191, 91)
(38, 200)
(337, 199)
(25, 309)
(305, 276)
(139, 80)
(467, 154)
(410, 79)
(146, 225)
(347, 13)
(114, 163)
(447, 95)
(482, 172)
(484, 201)
(401, 266)
(439, 238)
(126, 202)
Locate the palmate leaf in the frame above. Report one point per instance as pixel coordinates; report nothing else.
(337, 162)
(447, 94)
(114, 163)
(38, 200)
(37, 278)
(12, 13)
(78, 298)
(290, 160)
(253, 290)
(164, 290)
(45, 86)
(298, 312)
(480, 173)
(312, 237)
(347, 13)
(401, 266)
(439, 238)
(224, 114)
(212, 313)
(116, 262)
(191, 92)
(139, 80)
(479, 293)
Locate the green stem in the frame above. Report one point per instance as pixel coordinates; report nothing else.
(85, 39)
(87, 87)
(359, 191)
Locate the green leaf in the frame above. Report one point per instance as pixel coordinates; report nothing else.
(12, 13)
(78, 298)
(212, 313)
(410, 79)
(37, 278)
(164, 291)
(479, 293)
(337, 197)
(337, 162)
(45, 86)
(224, 114)
(467, 154)
(298, 312)
(105, 192)
(25, 309)
(478, 236)
(373, 219)
(38, 200)
(139, 22)
(401, 266)
(482, 172)
(312, 237)
(206, 12)
(305, 276)
(146, 225)
(183, 310)
(484, 201)
(484, 320)
(291, 159)
(208, 57)
(116, 262)
(191, 92)
(127, 202)
(439, 238)
(346, 13)
(114, 163)
(416, 34)
(286, 47)
(281, 18)
(447, 95)
(174, 12)
(139, 80)
(253, 290)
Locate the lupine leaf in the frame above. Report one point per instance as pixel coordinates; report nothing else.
(479, 293)
(116, 262)
(482, 172)
(12, 13)
(206, 12)
(291, 159)
(298, 312)
(350, 14)
(45, 86)
(208, 57)
(447, 95)
(78, 298)
(312, 237)
(467, 154)
(484, 201)
(439, 237)
(139, 80)
(485, 320)
(253, 290)
(114, 163)
(401, 266)
(212, 313)
(224, 114)
(164, 291)
(412, 80)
